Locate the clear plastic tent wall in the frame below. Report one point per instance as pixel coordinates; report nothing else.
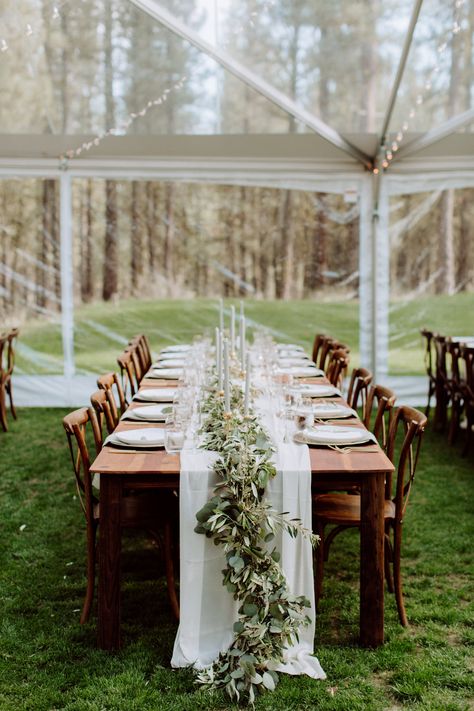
(155, 156)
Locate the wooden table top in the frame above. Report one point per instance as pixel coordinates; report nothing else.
(369, 459)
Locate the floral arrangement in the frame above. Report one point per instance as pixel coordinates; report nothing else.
(238, 519)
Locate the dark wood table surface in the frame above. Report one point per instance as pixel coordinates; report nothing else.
(331, 470)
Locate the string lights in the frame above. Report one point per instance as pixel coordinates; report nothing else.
(123, 127)
(389, 150)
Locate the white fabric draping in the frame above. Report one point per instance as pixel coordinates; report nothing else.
(207, 610)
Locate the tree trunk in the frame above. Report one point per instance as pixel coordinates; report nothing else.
(86, 244)
(168, 255)
(446, 281)
(151, 225)
(110, 283)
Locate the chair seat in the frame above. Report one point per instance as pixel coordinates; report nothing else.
(344, 509)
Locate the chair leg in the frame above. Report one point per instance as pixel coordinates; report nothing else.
(397, 544)
(3, 410)
(169, 566)
(469, 432)
(91, 559)
(388, 558)
(10, 397)
(319, 573)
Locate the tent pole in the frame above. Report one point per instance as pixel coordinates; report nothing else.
(366, 272)
(67, 288)
(380, 280)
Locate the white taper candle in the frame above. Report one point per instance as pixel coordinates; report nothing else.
(218, 352)
(221, 315)
(242, 342)
(226, 377)
(247, 385)
(232, 329)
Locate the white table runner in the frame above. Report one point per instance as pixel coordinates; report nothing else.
(207, 610)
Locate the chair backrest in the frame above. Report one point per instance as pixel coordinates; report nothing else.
(77, 425)
(337, 367)
(319, 340)
(467, 355)
(359, 388)
(134, 351)
(411, 423)
(440, 346)
(143, 351)
(382, 400)
(101, 402)
(3, 356)
(128, 373)
(110, 382)
(429, 356)
(327, 349)
(456, 365)
(11, 338)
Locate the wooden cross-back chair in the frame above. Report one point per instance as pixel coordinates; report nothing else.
(129, 374)
(327, 349)
(456, 387)
(318, 343)
(378, 414)
(7, 363)
(154, 512)
(429, 358)
(342, 511)
(110, 382)
(337, 367)
(467, 355)
(143, 351)
(106, 414)
(442, 385)
(359, 388)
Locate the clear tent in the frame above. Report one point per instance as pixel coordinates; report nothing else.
(363, 111)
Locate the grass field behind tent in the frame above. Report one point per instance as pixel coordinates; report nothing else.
(101, 329)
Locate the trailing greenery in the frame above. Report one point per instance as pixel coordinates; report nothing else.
(49, 661)
(238, 519)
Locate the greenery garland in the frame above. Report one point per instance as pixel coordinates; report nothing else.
(238, 519)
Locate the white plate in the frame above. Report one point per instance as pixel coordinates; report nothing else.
(290, 347)
(168, 373)
(151, 436)
(333, 434)
(294, 362)
(179, 348)
(156, 394)
(171, 363)
(152, 412)
(303, 372)
(332, 410)
(307, 390)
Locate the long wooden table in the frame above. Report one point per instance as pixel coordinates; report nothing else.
(120, 470)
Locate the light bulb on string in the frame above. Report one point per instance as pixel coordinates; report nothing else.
(3, 46)
(120, 130)
(29, 30)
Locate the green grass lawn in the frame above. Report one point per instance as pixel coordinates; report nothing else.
(102, 329)
(49, 662)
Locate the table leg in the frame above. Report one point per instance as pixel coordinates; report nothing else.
(109, 562)
(372, 561)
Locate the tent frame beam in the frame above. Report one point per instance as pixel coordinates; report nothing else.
(278, 98)
(430, 137)
(400, 70)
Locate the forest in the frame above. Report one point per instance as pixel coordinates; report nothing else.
(87, 78)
